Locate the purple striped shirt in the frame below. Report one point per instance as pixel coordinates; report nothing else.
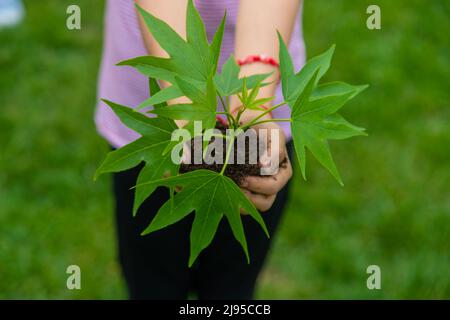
(124, 85)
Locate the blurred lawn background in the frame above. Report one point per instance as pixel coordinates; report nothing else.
(394, 210)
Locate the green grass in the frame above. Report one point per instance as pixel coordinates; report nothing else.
(394, 210)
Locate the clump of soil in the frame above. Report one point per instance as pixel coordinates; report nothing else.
(237, 172)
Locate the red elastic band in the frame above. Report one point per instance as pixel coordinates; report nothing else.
(258, 58)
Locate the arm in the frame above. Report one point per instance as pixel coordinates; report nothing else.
(258, 21)
(256, 33)
(255, 30)
(173, 12)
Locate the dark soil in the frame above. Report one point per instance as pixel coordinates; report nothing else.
(237, 172)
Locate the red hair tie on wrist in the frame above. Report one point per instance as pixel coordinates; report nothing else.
(258, 58)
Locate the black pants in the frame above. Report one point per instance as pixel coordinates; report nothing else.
(155, 265)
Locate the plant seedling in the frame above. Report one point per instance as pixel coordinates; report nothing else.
(191, 70)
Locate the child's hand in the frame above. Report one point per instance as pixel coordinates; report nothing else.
(262, 190)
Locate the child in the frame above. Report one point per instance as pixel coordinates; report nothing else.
(155, 266)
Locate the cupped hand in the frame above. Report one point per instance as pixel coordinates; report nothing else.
(262, 190)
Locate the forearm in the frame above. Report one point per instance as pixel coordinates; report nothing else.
(256, 33)
(173, 12)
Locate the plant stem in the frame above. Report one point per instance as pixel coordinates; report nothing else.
(226, 109)
(223, 136)
(264, 121)
(264, 113)
(223, 102)
(230, 147)
(238, 116)
(234, 122)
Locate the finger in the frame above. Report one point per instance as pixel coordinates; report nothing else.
(269, 185)
(273, 147)
(273, 165)
(266, 185)
(186, 156)
(261, 202)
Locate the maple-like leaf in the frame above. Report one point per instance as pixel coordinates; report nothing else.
(314, 117)
(149, 148)
(228, 82)
(212, 196)
(193, 59)
(292, 83)
(203, 107)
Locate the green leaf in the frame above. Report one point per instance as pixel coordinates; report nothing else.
(337, 128)
(191, 91)
(211, 195)
(153, 170)
(244, 92)
(293, 84)
(194, 60)
(214, 49)
(160, 97)
(303, 98)
(155, 136)
(154, 89)
(185, 58)
(336, 88)
(319, 64)
(196, 36)
(314, 118)
(184, 111)
(315, 121)
(203, 107)
(252, 80)
(253, 93)
(228, 82)
(256, 104)
(155, 67)
(286, 69)
(250, 101)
